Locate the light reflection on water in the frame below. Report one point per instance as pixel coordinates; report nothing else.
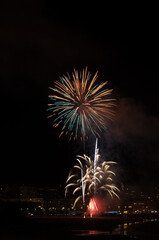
(121, 229)
(125, 229)
(90, 233)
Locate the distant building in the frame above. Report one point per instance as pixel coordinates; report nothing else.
(22, 193)
(135, 202)
(36, 200)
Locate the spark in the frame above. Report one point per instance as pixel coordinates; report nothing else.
(88, 179)
(80, 105)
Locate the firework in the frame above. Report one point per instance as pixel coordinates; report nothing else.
(92, 207)
(88, 178)
(80, 105)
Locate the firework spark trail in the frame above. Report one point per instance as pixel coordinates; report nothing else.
(83, 179)
(80, 105)
(95, 164)
(83, 186)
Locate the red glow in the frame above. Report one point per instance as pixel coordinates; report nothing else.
(92, 207)
(96, 206)
(92, 232)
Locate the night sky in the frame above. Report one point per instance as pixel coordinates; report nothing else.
(40, 42)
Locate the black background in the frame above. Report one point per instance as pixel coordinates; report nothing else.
(40, 41)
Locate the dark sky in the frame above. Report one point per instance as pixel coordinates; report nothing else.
(38, 43)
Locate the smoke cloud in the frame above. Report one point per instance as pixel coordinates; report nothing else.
(133, 142)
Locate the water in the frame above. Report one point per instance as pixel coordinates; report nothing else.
(127, 229)
(81, 229)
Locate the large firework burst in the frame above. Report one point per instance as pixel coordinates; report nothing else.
(80, 105)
